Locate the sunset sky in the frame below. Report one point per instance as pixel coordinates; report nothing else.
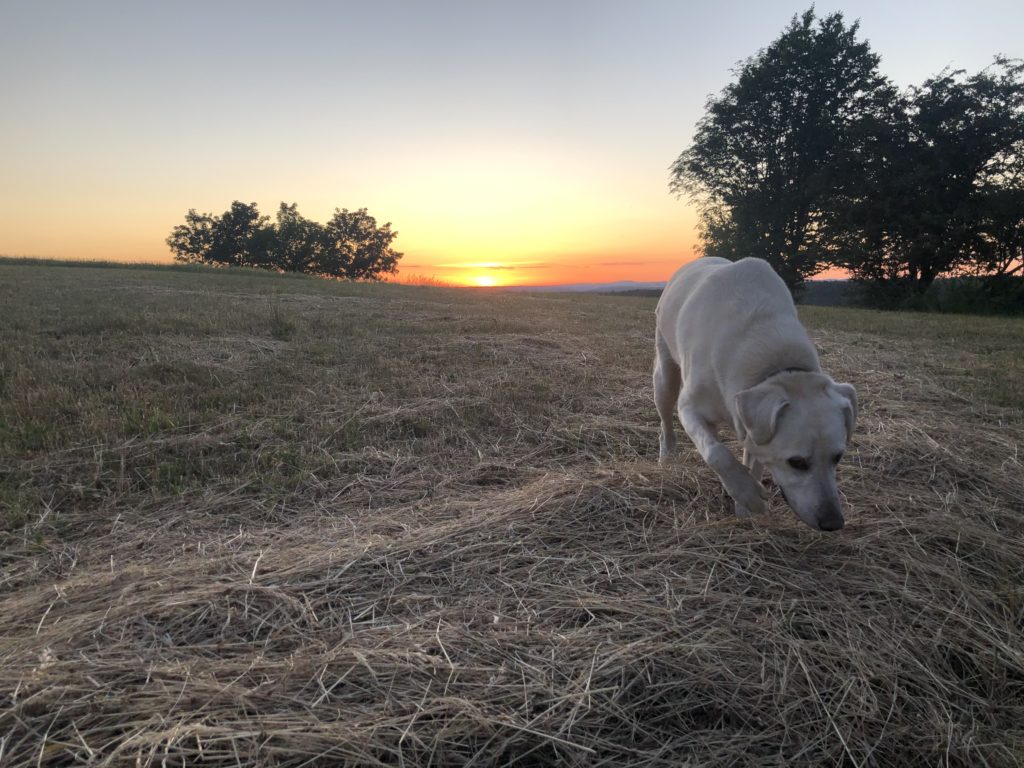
(508, 143)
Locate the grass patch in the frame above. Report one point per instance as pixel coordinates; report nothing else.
(281, 327)
(976, 357)
(251, 518)
(14, 510)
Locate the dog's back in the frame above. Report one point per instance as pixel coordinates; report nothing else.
(725, 323)
(741, 290)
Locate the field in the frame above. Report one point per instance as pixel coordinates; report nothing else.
(252, 519)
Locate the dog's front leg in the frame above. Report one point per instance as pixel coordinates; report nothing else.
(738, 482)
(756, 470)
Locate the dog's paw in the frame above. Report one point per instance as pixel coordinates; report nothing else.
(747, 493)
(744, 511)
(665, 448)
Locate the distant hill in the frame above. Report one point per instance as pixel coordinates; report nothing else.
(822, 293)
(622, 286)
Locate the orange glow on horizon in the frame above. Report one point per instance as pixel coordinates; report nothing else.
(556, 270)
(565, 270)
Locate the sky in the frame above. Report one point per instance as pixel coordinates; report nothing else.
(507, 142)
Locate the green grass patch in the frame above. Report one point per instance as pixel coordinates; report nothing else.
(977, 356)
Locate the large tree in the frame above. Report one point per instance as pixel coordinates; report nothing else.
(350, 245)
(943, 191)
(778, 149)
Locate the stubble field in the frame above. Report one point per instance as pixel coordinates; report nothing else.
(253, 519)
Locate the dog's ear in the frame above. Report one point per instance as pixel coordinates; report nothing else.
(849, 394)
(758, 409)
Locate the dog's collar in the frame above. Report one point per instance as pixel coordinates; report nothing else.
(793, 369)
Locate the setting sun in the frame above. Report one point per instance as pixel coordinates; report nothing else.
(484, 281)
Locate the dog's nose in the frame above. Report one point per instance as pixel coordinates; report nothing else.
(831, 522)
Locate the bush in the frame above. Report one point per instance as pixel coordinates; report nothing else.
(990, 295)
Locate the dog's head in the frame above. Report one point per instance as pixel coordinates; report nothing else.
(797, 425)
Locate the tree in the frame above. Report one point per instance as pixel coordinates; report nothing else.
(357, 247)
(351, 245)
(942, 193)
(297, 241)
(229, 240)
(192, 242)
(998, 248)
(779, 149)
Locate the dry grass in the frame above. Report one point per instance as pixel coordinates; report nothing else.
(258, 520)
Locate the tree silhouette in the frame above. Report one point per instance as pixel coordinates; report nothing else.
(297, 241)
(773, 158)
(811, 158)
(350, 245)
(945, 187)
(355, 245)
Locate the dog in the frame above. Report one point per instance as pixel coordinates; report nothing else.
(730, 351)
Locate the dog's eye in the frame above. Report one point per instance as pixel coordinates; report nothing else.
(837, 457)
(798, 463)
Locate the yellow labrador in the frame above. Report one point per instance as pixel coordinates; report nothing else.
(731, 352)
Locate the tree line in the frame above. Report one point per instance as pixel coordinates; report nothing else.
(812, 159)
(350, 245)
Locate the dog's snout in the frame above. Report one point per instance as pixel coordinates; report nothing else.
(830, 519)
(831, 523)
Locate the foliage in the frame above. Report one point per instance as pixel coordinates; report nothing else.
(945, 192)
(811, 158)
(228, 240)
(355, 245)
(774, 153)
(999, 250)
(989, 295)
(350, 245)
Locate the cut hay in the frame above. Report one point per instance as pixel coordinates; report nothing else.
(484, 581)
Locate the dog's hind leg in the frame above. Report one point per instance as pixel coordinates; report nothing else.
(667, 380)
